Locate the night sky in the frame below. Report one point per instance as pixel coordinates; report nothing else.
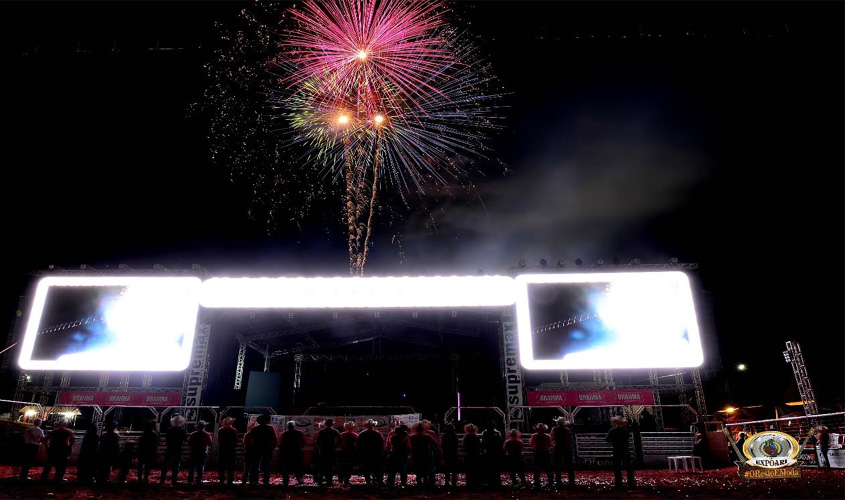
(710, 132)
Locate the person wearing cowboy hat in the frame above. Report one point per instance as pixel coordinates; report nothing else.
(370, 448)
(562, 440)
(227, 443)
(472, 456)
(541, 444)
(618, 437)
(174, 438)
(327, 440)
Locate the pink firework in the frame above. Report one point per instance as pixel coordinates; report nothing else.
(368, 44)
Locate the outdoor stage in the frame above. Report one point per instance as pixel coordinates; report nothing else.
(717, 484)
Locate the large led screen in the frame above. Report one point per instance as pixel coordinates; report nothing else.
(607, 321)
(111, 323)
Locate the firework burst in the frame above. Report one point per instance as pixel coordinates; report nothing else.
(382, 92)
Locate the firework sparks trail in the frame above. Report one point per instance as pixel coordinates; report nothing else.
(372, 87)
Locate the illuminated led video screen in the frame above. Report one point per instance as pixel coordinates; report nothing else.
(111, 323)
(607, 321)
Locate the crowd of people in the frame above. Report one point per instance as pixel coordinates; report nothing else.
(432, 458)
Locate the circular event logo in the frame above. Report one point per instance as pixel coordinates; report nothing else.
(771, 449)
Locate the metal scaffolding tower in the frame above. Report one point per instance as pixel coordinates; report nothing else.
(793, 355)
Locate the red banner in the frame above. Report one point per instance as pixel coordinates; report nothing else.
(100, 398)
(590, 398)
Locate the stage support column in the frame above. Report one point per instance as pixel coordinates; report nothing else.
(239, 368)
(197, 372)
(512, 370)
(654, 380)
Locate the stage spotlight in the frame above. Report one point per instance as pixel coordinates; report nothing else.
(615, 261)
(635, 262)
(579, 262)
(599, 262)
(543, 263)
(522, 263)
(673, 260)
(561, 263)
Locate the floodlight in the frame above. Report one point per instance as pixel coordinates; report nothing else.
(388, 292)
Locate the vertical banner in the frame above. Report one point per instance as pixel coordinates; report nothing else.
(512, 369)
(197, 372)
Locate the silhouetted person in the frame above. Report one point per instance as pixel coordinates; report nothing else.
(399, 446)
(147, 451)
(88, 460)
(435, 455)
(449, 443)
(562, 440)
(618, 437)
(109, 452)
(541, 445)
(291, 453)
(33, 436)
(347, 457)
(370, 449)
(59, 446)
(514, 458)
(699, 447)
(823, 443)
(262, 439)
(422, 446)
(326, 441)
(174, 438)
(472, 456)
(492, 444)
(199, 442)
(227, 445)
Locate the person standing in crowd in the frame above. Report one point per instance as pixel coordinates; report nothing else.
(262, 439)
(109, 452)
(346, 458)
(732, 450)
(86, 463)
(33, 436)
(823, 444)
(619, 437)
(699, 447)
(472, 456)
(435, 455)
(326, 441)
(399, 447)
(292, 453)
(370, 449)
(227, 444)
(449, 442)
(541, 445)
(59, 446)
(147, 451)
(562, 442)
(514, 459)
(174, 438)
(492, 448)
(199, 443)
(422, 445)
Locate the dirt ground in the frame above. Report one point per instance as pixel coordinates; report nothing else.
(716, 484)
